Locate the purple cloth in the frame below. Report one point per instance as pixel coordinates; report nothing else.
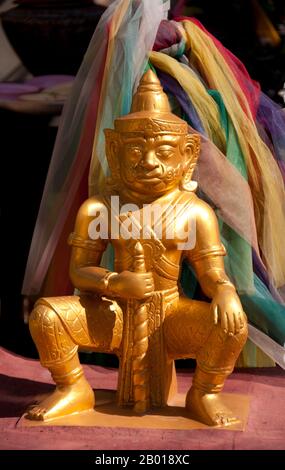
(170, 85)
(48, 81)
(272, 118)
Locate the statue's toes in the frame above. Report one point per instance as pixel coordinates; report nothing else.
(232, 420)
(40, 414)
(222, 419)
(36, 413)
(218, 420)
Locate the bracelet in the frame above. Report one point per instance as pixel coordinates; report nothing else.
(107, 278)
(224, 282)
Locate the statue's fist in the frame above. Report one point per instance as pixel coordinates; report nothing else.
(130, 285)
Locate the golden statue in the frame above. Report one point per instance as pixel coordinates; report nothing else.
(138, 312)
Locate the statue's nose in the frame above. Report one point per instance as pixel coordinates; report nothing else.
(149, 161)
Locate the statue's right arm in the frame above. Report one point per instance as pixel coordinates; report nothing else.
(87, 248)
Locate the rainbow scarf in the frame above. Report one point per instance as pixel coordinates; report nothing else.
(239, 172)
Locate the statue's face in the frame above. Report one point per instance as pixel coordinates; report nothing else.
(153, 164)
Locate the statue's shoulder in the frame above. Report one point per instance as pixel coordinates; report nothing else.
(203, 211)
(192, 202)
(92, 206)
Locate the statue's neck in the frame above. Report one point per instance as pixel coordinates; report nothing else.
(127, 196)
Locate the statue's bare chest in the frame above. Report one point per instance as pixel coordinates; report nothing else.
(164, 230)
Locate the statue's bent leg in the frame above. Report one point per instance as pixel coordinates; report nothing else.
(58, 326)
(191, 332)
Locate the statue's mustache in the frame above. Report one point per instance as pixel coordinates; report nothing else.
(145, 173)
(150, 174)
(162, 173)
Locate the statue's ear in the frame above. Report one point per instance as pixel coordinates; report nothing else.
(191, 152)
(112, 150)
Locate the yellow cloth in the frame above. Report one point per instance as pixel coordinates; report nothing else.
(204, 104)
(264, 175)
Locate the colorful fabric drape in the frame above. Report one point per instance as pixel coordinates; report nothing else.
(103, 88)
(254, 145)
(242, 158)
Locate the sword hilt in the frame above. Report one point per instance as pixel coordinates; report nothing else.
(139, 260)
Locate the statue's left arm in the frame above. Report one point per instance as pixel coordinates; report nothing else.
(207, 258)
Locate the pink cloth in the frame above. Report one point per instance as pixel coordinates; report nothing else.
(21, 379)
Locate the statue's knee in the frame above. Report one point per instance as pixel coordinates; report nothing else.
(41, 319)
(241, 329)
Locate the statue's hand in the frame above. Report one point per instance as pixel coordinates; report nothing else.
(130, 285)
(228, 310)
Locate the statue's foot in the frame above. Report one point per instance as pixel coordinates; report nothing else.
(208, 408)
(64, 401)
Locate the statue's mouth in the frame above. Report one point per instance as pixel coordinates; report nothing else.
(149, 180)
(149, 177)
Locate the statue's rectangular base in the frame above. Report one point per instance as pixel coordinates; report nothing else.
(174, 416)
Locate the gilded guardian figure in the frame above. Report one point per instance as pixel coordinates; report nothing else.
(139, 312)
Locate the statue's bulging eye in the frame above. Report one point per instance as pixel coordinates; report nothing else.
(165, 151)
(134, 150)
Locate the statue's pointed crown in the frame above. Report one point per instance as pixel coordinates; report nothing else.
(150, 111)
(150, 95)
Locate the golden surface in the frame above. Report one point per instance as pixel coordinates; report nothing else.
(138, 312)
(175, 416)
